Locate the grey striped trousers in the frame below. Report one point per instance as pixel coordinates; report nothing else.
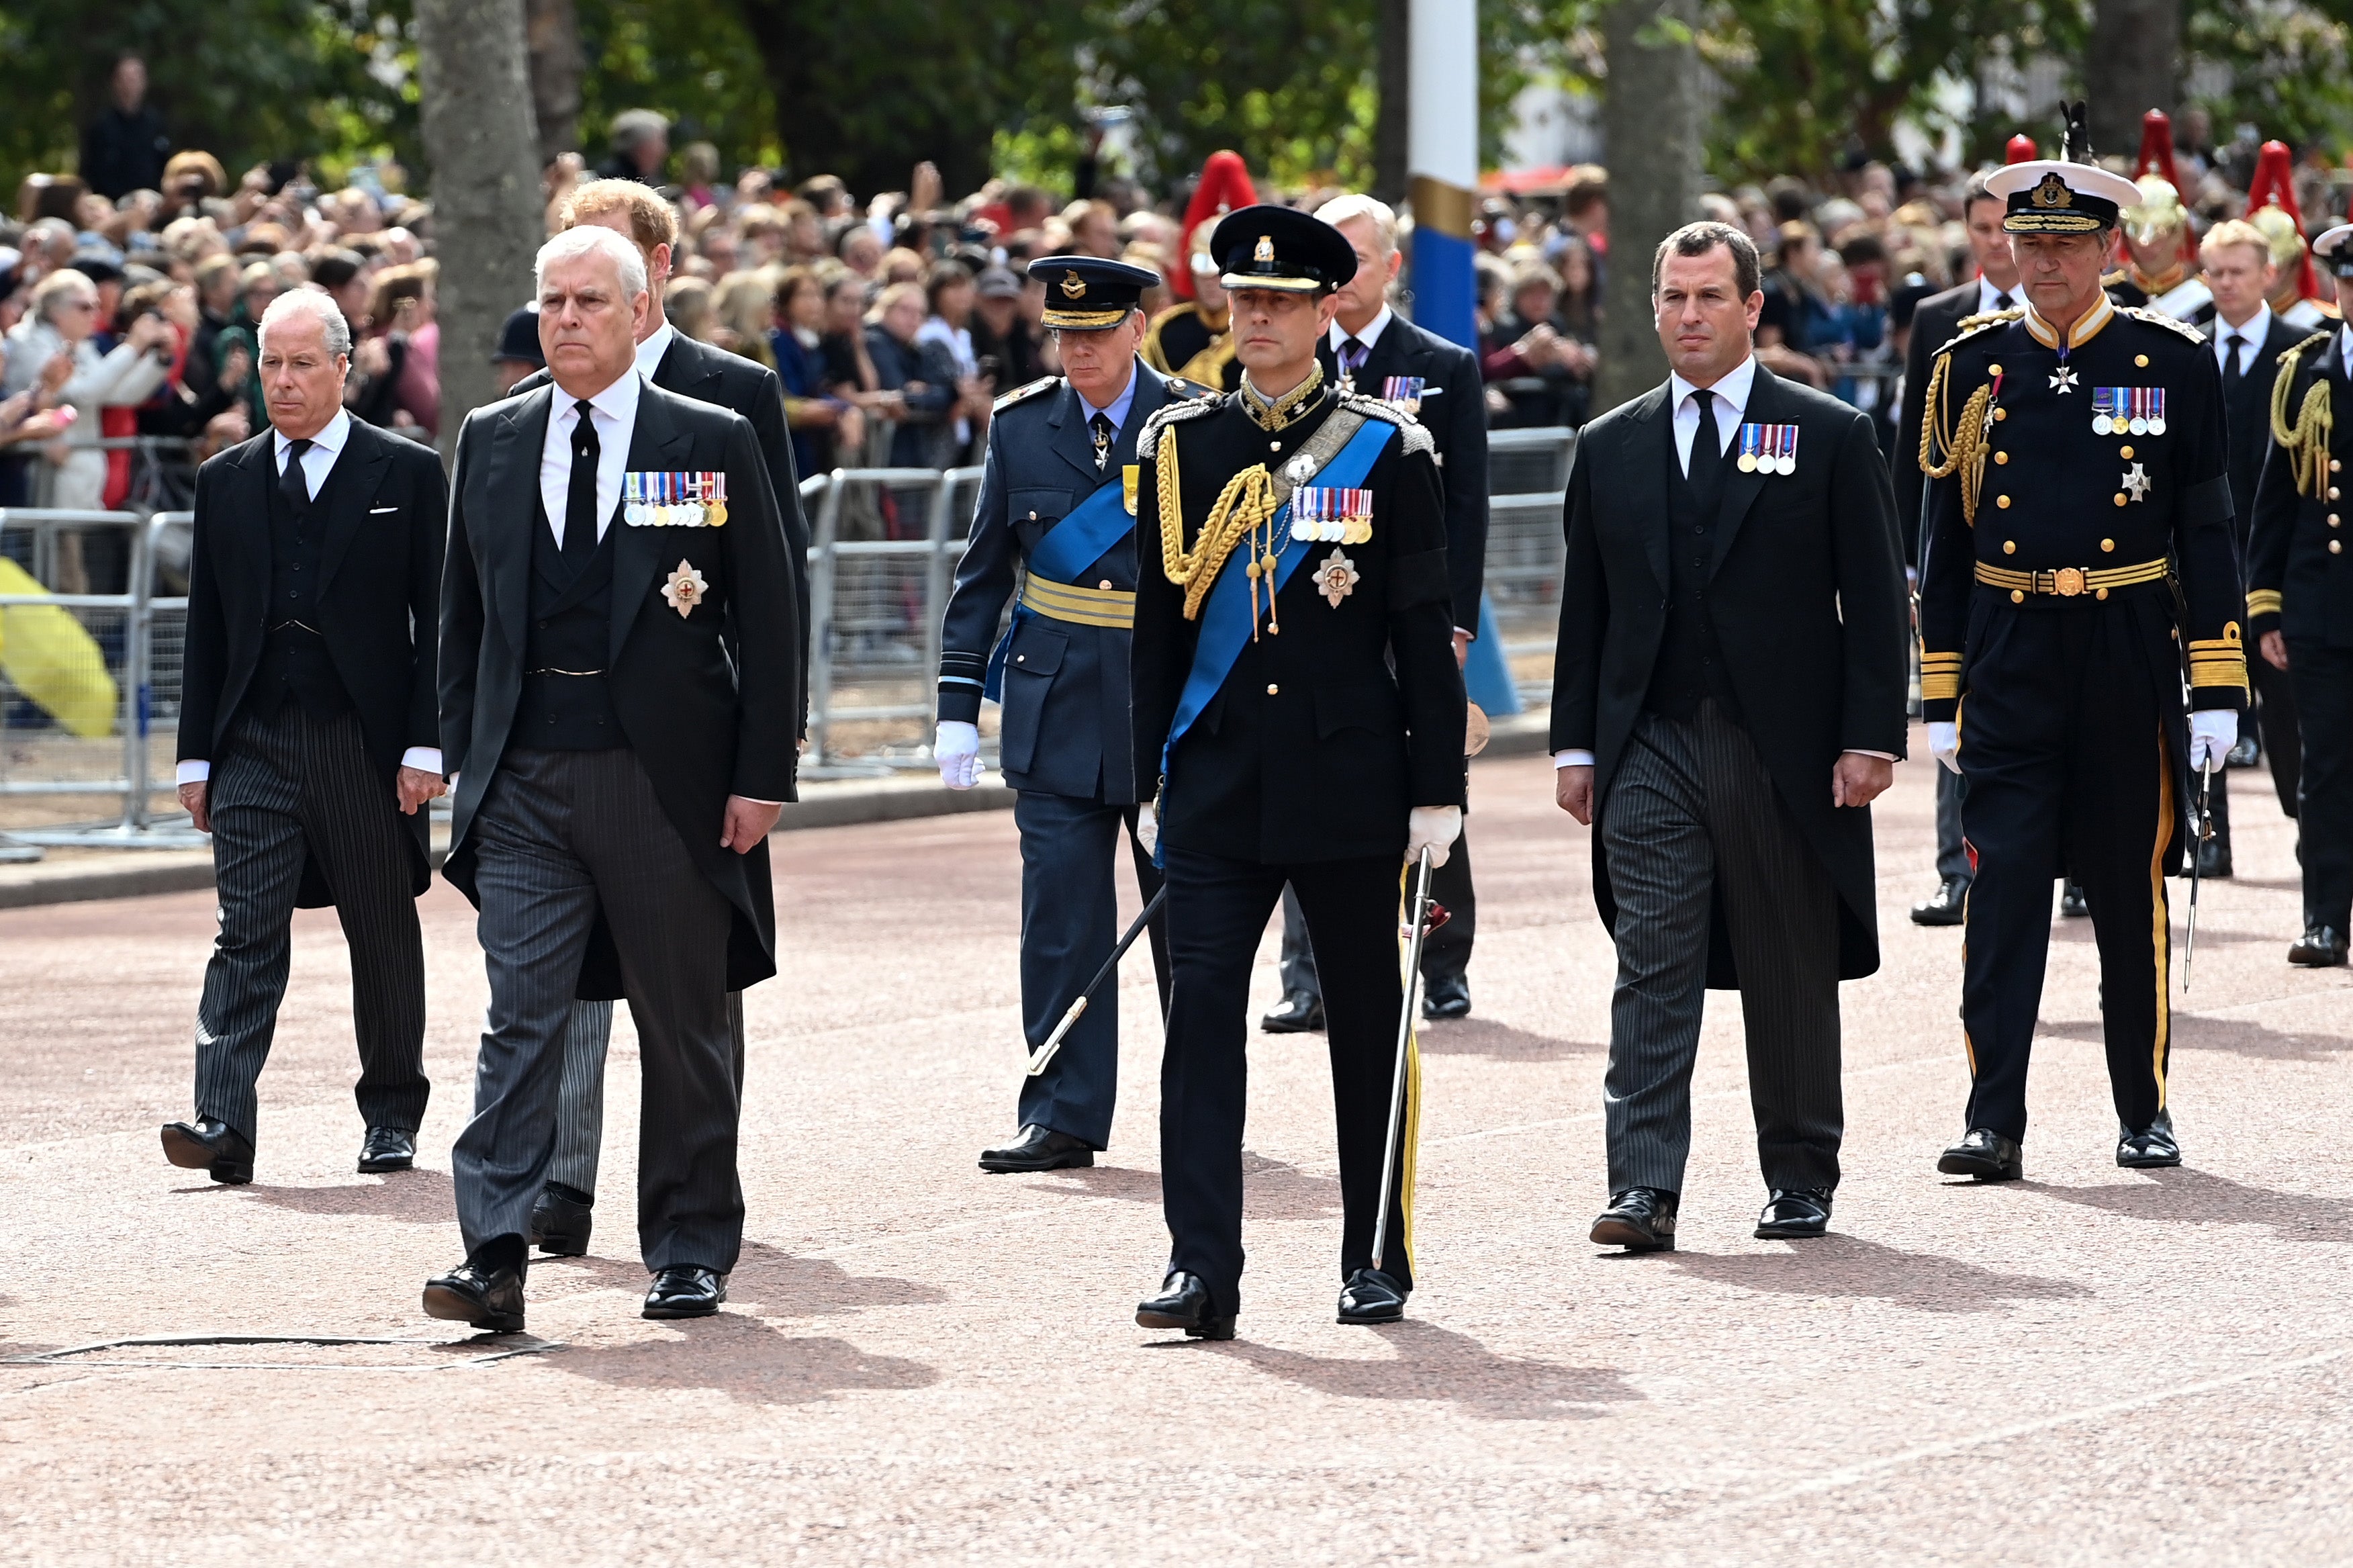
(1694, 822)
(580, 1101)
(285, 788)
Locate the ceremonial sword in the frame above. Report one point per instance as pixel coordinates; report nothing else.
(1404, 1039)
(2205, 832)
(1045, 1053)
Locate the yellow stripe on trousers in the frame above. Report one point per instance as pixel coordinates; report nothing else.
(2160, 921)
(1412, 1134)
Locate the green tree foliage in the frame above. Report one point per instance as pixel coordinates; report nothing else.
(705, 73)
(2292, 67)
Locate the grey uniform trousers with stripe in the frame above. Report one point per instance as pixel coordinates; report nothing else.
(559, 838)
(287, 787)
(1693, 817)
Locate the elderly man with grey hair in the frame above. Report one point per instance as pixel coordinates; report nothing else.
(308, 733)
(619, 687)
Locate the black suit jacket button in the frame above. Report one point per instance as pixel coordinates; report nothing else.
(543, 626)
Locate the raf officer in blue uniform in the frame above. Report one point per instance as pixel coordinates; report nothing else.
(1058, 502)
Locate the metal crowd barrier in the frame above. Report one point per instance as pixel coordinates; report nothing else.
(1527, 483)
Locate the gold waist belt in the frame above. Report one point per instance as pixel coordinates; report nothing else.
(2069, 582)
(1086, 607)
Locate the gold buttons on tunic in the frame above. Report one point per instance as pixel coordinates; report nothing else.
(2332, 520)
(2337, 547)
(2125, 453)
(2108, 544)
(2002, 501)
(2002, 413)
(2100, 593)
(2120, 498)
(2332, 492)
(1104, 584)
(1993, 370)
(2334, 465)
(2001, 457)
(2141, 360)
(1273, 690)
(2018, 596)
(2009, 547)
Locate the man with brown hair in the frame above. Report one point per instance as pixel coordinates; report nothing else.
(675, 362)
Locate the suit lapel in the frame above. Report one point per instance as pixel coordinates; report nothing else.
(1151, 396)
(513, 483)
(1741, 491)
(657, 444)
(1068, 420)
(365, 458)
(684, 371)
(1646, 429)
(257, 468)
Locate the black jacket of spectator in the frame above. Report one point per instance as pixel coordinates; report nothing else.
(124, 152)
(896, 364)
(1934, 322)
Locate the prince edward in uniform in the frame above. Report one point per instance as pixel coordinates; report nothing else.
(1298, 704)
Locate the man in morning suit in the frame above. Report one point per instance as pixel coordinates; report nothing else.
(1370, 350)
(1934, 324)
(563, 1217)
(1057, 499)
(618, 687)
(308, 732)
(2300, 603)
(2077, 483)
(2249, 340)
(1298, 706)
(1728, 701)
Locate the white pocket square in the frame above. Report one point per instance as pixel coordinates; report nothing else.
(375, 511)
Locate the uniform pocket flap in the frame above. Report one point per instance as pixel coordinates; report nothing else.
(1037, 505)
(1359, 705)
(1037, 652)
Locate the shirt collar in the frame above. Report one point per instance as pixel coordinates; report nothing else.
(329, 440)
(1733, 387)
(650, 352)
(2258, 327)
(1989, 297)
(2087, 326)
(617, 402)
(1117, 410)
(1369, 337)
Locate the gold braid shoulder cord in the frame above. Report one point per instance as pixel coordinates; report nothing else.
(1964, 446)
(2307, 441)
(1247, 504)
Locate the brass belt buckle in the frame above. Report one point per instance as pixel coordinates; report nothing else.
(2067, 581)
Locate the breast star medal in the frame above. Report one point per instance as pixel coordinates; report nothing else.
(2136, 482)
(685, 588)
(1336, 578)
(2063, 380)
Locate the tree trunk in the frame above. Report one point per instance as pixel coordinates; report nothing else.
(1392, 83)
(1650, 130)
(557, 64)
(2132, 65)
(479, 145)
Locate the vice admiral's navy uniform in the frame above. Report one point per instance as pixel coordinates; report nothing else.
(1293, 717)
(2300, 585)
(2078, 510)
(1057, 500)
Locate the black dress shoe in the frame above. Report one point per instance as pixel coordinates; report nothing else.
(1447, 998)
(1371, 1296)
(2071, 902)
(1640, 1219)
(213, 1147)
(488, 1298)
(1948, 907)
(2152, 1149)
(1038, 1149)
(1986, 1155)
(1794, 1214)
(1184, 1303)
(1298, 1014)
(560, 1223)
(388, 1149)
(2321, 947)
(686, 1290)
(2214, 859)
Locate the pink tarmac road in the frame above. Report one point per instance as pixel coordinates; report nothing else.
(924, 1364)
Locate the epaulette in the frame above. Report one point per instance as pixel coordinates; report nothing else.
(1968, 327)
(1024, 394)
(2289, 356)
(2159, 318)
(1416, 435)
(1147, 445)
(1177, 386)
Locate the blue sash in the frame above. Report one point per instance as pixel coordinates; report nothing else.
(1094, 527)
(1226, 618)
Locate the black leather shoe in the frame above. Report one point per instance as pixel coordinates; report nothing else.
(2213, 858)
(686, 1290)
(560, 1223)
(1298, 1014)
(213, 1147)
(1795, 1213)
(2153, 1148)
(1371, 1296)
(1447, 998)
(1640, 1219)
(1948, 907)
(488, 1298)
(2321, 947)
(388, 1149)
(1038, 1149)
(2071, 902)
(1184, 1303)
(1984, 1154)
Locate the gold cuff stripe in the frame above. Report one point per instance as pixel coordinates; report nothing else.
(2263, 602)
(2069, 582)
(1082, 606)
(1938, 686)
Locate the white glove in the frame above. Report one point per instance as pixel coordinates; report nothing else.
(1147, 828)
(2212, 732)
(1944, 743)
(957, 748)
(1434, 825)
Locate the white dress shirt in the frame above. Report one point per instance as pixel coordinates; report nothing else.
(2257, 328)
(326, 446)
(650, 352)
(615, 412)
(1369, 337)
(1991, 298)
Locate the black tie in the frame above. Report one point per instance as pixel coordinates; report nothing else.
(1101, 427)
(1353, 356)
(1707, 469)
(2231, 373)
(580, 499)
(2001, 302)
(296, 490)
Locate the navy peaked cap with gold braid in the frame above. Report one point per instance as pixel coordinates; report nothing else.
(1089, 294)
